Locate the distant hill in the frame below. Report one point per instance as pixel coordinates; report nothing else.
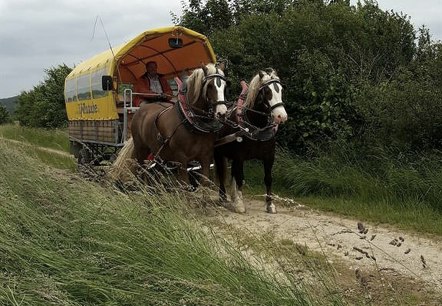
(10, 103)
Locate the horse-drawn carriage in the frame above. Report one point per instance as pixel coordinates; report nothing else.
(99, 101)
(99, 91)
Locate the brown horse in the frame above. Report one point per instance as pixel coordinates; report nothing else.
(184, 131)
(252, 127)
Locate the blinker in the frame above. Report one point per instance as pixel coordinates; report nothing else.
(276, 87)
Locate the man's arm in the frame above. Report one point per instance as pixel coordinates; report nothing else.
(166, 87)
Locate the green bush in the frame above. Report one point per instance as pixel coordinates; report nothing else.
(44, 106)
(4, 115)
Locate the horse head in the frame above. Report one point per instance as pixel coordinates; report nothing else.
(206, 89)
(265, 92)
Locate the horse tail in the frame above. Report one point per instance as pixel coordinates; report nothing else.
(124, 166)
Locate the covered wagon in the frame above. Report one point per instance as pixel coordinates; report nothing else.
(99, 92)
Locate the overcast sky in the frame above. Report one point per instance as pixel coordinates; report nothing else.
(39, 34)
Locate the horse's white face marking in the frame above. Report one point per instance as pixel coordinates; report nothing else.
(221, 110)
(220, 85)
(279, 114)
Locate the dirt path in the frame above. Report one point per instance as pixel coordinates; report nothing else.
(361, 246)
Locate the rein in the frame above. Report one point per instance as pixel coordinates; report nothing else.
(161, 138)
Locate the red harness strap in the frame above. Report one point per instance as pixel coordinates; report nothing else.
(241, 100)
(182, 98)
(181, 94)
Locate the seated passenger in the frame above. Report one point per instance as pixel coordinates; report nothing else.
(151, 83)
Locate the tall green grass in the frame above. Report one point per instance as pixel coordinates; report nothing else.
(370, 178)
(54, 138)
(377, 185)
(34, 142)
(66, 241)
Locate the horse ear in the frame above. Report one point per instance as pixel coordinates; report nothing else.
(261, 74)
(269, 70)
(222, 65)
(205, 70)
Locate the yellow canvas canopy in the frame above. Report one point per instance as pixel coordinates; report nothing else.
(174, 49)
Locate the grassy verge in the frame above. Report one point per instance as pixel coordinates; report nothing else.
(41, 144)
(52, 139)
(66, 241)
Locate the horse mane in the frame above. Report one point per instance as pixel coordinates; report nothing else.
(256, 84)
(195, 82)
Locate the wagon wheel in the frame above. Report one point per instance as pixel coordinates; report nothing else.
(84, 156)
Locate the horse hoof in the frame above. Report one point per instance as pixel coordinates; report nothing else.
(240, 209)
(235, 207)
(222, 202)
(271, 209)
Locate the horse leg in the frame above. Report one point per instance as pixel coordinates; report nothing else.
(236, 186)
(205, 181)
(205, 171)
(183, 175)
(268, 164)
(221, 170)
(140, 155)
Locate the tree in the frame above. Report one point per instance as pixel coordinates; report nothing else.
(44, 105)
(4, 115)
(205, 18)
(212, 15)
(324, 50)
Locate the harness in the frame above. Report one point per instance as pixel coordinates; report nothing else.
(266, 84)
(203, 121)
(242, 123)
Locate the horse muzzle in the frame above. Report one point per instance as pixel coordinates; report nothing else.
(221, 109)
(278, 113)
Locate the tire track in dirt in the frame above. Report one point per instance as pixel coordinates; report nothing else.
(49, 150)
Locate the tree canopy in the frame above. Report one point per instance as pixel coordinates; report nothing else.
(353, 72)
(4, 115)
(44, 106)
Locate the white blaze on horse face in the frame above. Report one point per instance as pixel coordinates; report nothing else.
(279, 114)
(221, 109)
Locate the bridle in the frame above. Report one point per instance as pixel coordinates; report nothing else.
(217, 77)
(267, 84)
(269, 109)
(201, 119)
